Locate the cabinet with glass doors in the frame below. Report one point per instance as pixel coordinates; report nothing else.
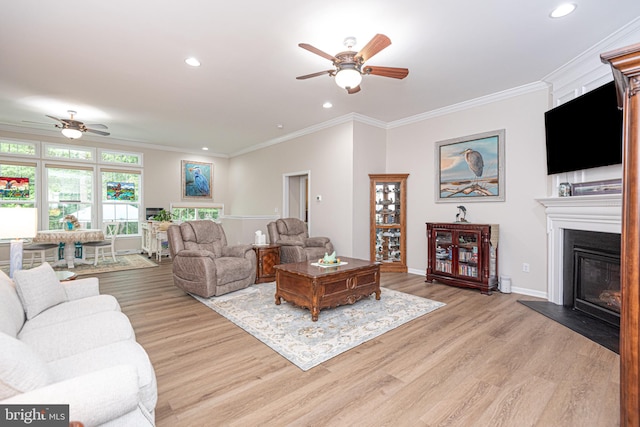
(463, 254)
(388, 239)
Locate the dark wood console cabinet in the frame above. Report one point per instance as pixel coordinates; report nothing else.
(463, 254)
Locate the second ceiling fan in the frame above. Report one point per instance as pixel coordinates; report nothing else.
(350, 65)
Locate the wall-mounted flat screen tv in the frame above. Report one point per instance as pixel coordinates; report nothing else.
(585, 132)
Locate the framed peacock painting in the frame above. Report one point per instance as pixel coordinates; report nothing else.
(197, 180)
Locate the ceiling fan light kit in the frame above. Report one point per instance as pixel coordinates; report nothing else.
(348, 78)
(72, 133)
(348, 65)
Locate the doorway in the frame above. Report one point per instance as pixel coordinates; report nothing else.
(295, 196)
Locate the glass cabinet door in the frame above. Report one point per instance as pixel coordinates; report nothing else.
(388, 230)
(468, 243)
(444, 251)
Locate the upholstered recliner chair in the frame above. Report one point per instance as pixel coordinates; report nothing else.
(295, 244)
(203, 264)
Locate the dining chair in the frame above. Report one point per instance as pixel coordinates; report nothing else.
(110, 230)
(40, 249)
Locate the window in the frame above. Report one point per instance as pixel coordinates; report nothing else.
(189, 212)
(62, 180)
(121, 198)
(18, 148)
(116, 157)
(18, 184)
(69, 152)
(69, 192)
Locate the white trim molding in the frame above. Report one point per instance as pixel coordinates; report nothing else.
(601, 213)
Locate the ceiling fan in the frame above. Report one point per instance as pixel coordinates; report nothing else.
(350, 65)
(73, 129)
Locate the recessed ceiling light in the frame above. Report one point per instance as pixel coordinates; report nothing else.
(280, 126)
(563, 10)
(327, 105)
(192, 61)
(205, 148)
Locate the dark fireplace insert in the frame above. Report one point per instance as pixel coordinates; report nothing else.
(591, 274)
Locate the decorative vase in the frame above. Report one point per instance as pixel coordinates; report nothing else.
(69, 226)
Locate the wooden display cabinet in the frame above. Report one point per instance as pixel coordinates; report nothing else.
(463, 254)
(388, 240)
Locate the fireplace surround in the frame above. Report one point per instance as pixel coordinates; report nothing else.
(601, 213)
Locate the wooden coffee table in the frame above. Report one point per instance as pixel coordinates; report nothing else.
(315, 287)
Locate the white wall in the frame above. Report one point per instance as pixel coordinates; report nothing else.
(411, 148)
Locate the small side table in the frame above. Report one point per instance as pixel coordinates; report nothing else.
(268, 256)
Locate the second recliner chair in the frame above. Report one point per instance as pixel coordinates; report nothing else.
(295, 244)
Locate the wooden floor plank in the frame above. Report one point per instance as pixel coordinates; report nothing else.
(480, 360)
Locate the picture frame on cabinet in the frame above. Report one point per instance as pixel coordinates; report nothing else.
(197, 180)
(471, 168)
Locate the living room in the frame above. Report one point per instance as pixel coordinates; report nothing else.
(249, 183)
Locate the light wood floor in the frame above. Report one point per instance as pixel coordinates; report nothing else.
(478, 361)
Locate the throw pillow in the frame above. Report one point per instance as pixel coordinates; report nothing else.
(39, 289)
(21, 369)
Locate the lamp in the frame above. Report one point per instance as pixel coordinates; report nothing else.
(16, 224)
(348, 76)
(72, 133)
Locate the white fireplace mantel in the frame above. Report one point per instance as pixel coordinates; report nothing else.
(590, 213)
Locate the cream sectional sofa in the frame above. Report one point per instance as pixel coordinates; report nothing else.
(64, 343)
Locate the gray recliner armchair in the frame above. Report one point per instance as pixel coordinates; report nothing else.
(203, 264)
(295, 244)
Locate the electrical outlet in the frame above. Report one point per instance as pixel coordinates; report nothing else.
(525, 267)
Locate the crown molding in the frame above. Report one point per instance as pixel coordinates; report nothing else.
(128, 143)
(347, 118)
(472, 103)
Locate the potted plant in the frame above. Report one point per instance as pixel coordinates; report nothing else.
(164, 217)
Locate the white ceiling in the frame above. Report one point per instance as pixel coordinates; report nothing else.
(121, 63)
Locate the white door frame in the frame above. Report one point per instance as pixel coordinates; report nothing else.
(285, 193)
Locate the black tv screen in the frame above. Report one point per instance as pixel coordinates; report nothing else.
(585, 132)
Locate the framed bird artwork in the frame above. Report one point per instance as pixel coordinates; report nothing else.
(471, 168)
(197, 180)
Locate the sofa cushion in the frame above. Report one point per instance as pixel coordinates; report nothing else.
(21, 369)
(39, 289)
(73, 336)
(120, 353)
(72, 310)
(11, 311)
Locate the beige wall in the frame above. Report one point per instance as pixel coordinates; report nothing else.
(369, 156)
(256, 181)
(522, 220)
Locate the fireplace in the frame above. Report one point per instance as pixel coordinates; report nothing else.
(591, 270)
(599, 263)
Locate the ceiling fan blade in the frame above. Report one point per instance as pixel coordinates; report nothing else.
(96, 125)
(351, 91)
(319, 73)
(54, 118)
(396, 73)
(317, 51)
(99, 132)
(375, 45)
(36, 123)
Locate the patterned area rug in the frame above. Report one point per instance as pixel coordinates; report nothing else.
(123, 262)
(288, 329)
